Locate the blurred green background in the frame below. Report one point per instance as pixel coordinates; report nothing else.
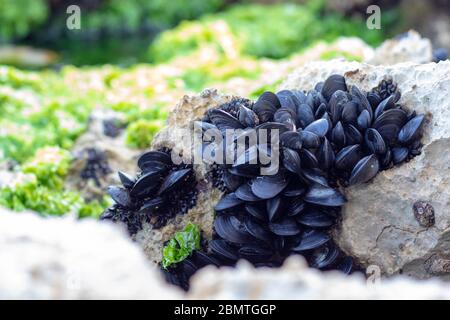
(137, 58)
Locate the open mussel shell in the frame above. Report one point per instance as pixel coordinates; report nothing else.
(411, 130)
(364, 170)
(311, 239)
(174, 180)
(324, 196)
(120, 195)
(230, 228)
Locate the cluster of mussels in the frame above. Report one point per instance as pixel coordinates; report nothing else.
(329, 137)
(159, 192)
(96, 165)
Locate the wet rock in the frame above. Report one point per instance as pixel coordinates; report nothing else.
(378, 226)
(61, 258)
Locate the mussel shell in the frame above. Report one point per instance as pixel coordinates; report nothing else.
(388, 124)
(230, 228)
(257, 230)
(292, 139)
(255, 253)
(384, 105)
(364, 120)
(295, 207)
(315, 218)
(152, 204)
(319, 127)
(326, 155)
(294, 189)
(291, 160)
(120, 195)
(228, 201)
(174, 180)
(265, 109)
(153, 156)
(223, 249)
(332, 84)
(146, 184)
(353, 135)
(324, 196)
(274, 208)
(286, 100)
(411, 130)
(231, 181)
(374, 141)
(305, 115)
(266, 187)
(311, 239)
(244, 192)
(308, 159)
(350, 112)
(256, 212)
(324, 256)
(247, 117)
(285, 227)
(348, 157)
(270, 97)
(374, 99)
(345, 265)
(223, 120)
(310, 140)
(364, 170)
(399, 155)
(338, 136)
(127, 180)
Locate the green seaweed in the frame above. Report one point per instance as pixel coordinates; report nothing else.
(181, 245)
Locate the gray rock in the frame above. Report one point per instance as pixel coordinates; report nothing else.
(379, 226)
(61, 258)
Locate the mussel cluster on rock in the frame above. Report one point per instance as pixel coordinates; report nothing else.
(96, 165)
(329, 137)
(159, 192)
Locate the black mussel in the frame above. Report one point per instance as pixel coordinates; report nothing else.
(274, 207)
(223, 250)
(345, 265)
(265, 109)
(305, 115)
(291, 139)
(336, 105)
(228, 201)
(153, 157)
(348, 157)
(374, 141)
(388, 124)
(308, 159)
(223, 120)
(266, 187)
(120, 195)
(332, 84)
(326, 155)
(315, 175)
(255, 253)
(286, 100)
(349, 112)
(310, 139)
(315, 218)
(285, 227)
(338, 136)
(152, 204)
(256, 211)
(295, 207)
(311, 239)
(324, 256)
(247, 117)
(291, 160)
(364, 120)
(361, 98)
(399, 155)
(319, 127)
(411, 130)
(146, 184)
(231, 181)
(320, 111)
(374, 99)
(230, 228)
(384, 105)
(174, 180)
(127, 180)
(353, 135)
(244, 192)
(286, 116)
(324, 196)
(364, 170)
(257, 230)
(294, 189)
(386, 159)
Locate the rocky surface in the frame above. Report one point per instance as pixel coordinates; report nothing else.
(379, 225)
(174, 137)
(116, 153)
(408, 47)
(60, 258)
(295, 281)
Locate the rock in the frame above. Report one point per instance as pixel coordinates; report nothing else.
(116, 153)
(379, 226)
(174, 137)
(61, 258)
(295, 281)
(408, 47)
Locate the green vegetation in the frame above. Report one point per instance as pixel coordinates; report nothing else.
(296, 28)
(140, 133)
(181, 246)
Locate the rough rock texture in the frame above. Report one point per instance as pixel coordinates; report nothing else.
(409, 47)
(174, 136)
(59, 258)
(115, 150)
(295, 281)
(379, 225)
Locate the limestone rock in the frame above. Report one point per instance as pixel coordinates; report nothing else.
(295, 281)
(378, 222)
(61, 258)
(409, 47)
